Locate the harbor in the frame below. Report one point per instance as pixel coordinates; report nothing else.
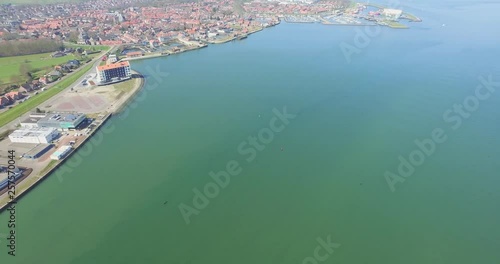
(361, 14)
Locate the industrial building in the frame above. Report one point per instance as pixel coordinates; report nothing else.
(31, 121)
(114, 72)
(37, 151)
(61, 121)
(36, 135)
(61, 152)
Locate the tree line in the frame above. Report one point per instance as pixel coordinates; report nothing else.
(18, 48)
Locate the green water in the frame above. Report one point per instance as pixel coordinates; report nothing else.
(352, 122)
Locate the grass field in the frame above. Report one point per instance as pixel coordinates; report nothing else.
(36, 100)
(40, 63)
(9, 66)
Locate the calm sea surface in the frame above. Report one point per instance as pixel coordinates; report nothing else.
(321, 176)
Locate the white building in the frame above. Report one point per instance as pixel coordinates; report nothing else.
(37, 135)
(392, 13)
(114, 72)
(112, 59)
(61, 152)
(30, 122)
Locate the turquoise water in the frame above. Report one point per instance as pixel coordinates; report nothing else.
(322, 175)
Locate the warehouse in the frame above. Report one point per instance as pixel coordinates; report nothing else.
(61, 152)
(61, 121)
(31, 122)
(37, 151)
(38, 135)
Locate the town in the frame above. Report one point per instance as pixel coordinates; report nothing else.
(148, 28)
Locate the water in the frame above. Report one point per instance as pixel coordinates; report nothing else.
(353, 121)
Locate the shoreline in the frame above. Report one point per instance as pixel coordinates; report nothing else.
(216, 42)
(132, 94)
(39, 179)
(115, 110)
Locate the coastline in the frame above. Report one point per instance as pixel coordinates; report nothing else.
(42, 177)
(121, 104)
(114, 110)
(215, 42)
(130, 97)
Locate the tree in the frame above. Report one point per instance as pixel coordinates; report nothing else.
(15, 79)
(73, 36)
(25, 70)
(17, 48)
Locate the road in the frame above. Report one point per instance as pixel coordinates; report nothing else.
(96, 61)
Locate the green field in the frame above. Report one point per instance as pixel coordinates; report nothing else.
(36, 100)
(40, 63)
